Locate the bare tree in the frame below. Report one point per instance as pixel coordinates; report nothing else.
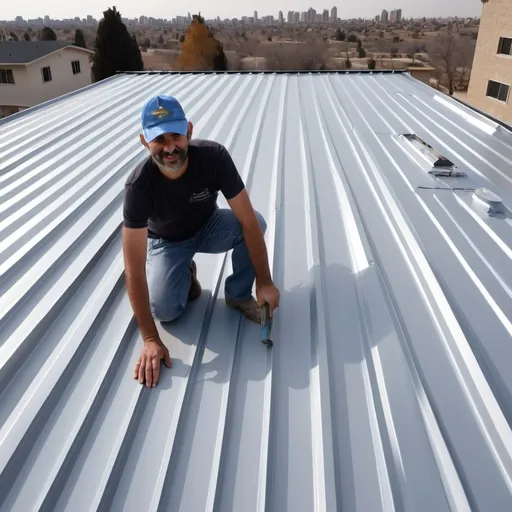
(446, 54)
(465, 62)
(295, 56)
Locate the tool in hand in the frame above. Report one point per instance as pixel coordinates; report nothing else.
(266, 326)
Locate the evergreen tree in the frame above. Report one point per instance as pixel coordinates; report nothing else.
(79, 38)
(115, 49)
(14, 36)
(220, 63)
(47, 34)
(26, 36)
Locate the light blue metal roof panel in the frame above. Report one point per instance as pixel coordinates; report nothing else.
(388, 385)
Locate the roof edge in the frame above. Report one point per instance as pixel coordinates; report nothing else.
(39, 106)
(485, 114)
(465, 104)
(270, 72)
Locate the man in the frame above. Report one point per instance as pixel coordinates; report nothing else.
(170, 214)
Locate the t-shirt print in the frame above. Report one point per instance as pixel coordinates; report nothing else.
(201, 196)
(177, 209)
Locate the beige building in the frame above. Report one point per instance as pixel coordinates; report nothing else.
(490, 87)
(32, 72)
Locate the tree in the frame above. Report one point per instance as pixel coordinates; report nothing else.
(371, 63)
(352, 38)
(295, 57)
(200, 50)
(115, 49)
(79, 39)
(220, 62)
(161, 39)
(47, 34)
(14, 36)
(340, 35)
(446, 55)
(348, 64)
(362, 53)
(26, 36)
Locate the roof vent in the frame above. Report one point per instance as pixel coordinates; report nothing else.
(488, 201)
(441, 166)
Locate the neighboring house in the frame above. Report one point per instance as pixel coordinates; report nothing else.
(32, 72)
(491, 77)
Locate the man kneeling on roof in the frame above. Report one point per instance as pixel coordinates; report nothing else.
(170, 214)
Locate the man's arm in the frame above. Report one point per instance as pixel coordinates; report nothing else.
(253, 236)
(234, 191)
(134, 251)
(266, 291)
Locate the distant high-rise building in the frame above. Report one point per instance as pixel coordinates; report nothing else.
(281, 17)
(290, 16)
(399, 15)
(304, 16)
(256, 16)
(334, 14)
(377, 18)
(325, 16)
(296, 17)
(311, 14)
(392, 16)
(384, 16)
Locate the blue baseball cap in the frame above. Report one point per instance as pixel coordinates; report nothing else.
(163, 114)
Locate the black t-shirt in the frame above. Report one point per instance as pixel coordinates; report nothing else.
(175, 209)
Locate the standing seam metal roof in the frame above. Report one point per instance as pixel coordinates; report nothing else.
(389, 383)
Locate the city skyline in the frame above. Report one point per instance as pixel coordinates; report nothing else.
(58, 9)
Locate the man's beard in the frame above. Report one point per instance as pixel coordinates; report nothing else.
(180, 154)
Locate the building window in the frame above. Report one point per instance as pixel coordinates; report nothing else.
(6, 76)
(75, 66)
(505, 46)
(47, 74)
(498, 90)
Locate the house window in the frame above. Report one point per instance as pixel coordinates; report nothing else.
(6, 76)
(47, 74)
(75, 66)
(498, 90)
(505, 46)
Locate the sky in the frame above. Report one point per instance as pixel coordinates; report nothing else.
(235, 9)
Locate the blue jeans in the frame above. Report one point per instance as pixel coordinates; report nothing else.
(168, 264)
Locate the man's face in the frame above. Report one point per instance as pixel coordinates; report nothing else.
(169, 151)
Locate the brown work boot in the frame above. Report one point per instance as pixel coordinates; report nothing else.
(195, 288)
(248, 308)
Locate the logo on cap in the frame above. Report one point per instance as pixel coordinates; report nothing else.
(161, 112)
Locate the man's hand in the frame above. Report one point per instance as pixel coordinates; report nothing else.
(269, 294)
(148, 365)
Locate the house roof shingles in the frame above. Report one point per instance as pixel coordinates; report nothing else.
(23, 52)
(388, 386)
